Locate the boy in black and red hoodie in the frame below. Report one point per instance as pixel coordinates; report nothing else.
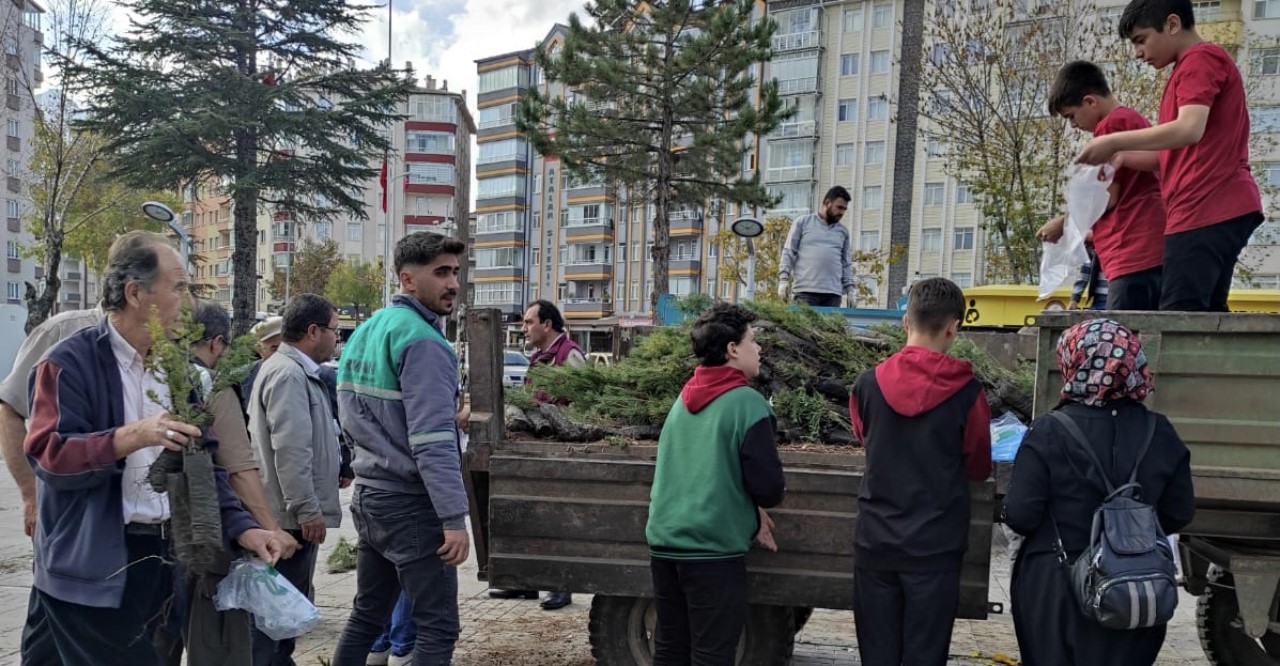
(924, 422)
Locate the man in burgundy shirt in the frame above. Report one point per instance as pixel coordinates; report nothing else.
(1200, 149)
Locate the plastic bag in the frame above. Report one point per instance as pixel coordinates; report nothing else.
(1006, 436)
(1086, 202)
(279, 610)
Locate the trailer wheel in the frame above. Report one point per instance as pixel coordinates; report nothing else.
(622, 630)
(1221, 634)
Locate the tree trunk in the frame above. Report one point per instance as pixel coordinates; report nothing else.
(244, 297)
(904, 147)
(40, 305)
(662, 218)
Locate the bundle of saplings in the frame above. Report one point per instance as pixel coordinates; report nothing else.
(808, 361)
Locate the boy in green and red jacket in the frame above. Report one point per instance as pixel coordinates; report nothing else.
(717, 470)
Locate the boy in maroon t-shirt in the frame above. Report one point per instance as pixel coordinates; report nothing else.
(1129, 237)
(1200, 148)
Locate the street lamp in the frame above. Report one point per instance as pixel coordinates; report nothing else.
(749, 228)
(162, 213)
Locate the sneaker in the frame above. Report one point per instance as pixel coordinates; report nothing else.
(378, 658)
(401, 660)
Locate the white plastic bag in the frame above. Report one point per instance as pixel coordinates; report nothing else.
(1086, 202)
(279, 610)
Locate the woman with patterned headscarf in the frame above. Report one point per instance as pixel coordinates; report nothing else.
(1105, 381)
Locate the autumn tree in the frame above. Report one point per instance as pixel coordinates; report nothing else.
(735, 257)
(358, 285)
(311, 266)
(261, 95)
(663, 98)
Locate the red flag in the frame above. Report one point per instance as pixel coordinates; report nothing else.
(383, 181)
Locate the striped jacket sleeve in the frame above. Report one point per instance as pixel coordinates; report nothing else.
(59, 444)
(428, 373)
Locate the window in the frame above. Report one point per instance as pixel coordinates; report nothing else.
(12, 167)
(505, 221)
(494, 293)
(869, 241)
(799, 20)
(790, 154)
(795, 72)
(931, 240)
(962, 280)
(793, 196)
(934, 193)
(844, 154)
(1207, 10)
(880, 61)
(11, 208)
(588, 214)
(873, 197)
(430, 142)
(502, 79)
(324, 230)
(635, 254)
(14, 294)
(878, 109)
(1269, 173)
(496, 116)
(436, 108)
(849, 64)
(635, 291)
(1265, 62)
(681, 286)
(964, 195)
(882, 16)
(11, 250)
(847, 111)
(964, 238)
(429, 173)
(1268, 233)
(499, 257)
(853, 20)
(13, 128)
(502, 151)
(934, 147)
(1262, 9)
(875, 153)
(1261, 119)
(354, 232)
(11, 45)
(502, 186)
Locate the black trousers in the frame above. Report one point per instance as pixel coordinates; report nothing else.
(90, 636)
(1199, 264)
(702, 607)
(299, 570)
(1136, 291)
(905, 618)
(817, 300)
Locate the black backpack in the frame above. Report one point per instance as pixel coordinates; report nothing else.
(1126, 578)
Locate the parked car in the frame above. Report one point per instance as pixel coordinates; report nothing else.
(514, 368)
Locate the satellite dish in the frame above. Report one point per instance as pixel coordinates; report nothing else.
(158, 211)
(747, 227)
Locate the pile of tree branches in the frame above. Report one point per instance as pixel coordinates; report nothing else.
(808, 362)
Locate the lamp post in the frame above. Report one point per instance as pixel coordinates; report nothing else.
(749, 228)
(162, 213)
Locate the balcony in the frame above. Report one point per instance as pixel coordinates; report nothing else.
(801, 86)
(800, 129)
(514, 273)
(686, 223)
(585, 229)
(685, 265)
(589, 270)
(797, 41)
(508, 121)
(583, 308)
(788, 174)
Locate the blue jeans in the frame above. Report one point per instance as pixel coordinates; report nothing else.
(401, 633)
(399, 537)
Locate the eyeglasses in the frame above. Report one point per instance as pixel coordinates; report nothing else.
(326, 327)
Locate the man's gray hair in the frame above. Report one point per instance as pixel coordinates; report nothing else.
(215, 319)
(133, 257)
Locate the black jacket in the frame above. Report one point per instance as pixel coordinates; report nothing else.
(1052, 475)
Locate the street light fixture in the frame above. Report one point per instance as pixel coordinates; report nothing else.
(162, 213)
(749, 228)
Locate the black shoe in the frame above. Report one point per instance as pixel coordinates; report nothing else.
(513, 594)
(557, 600)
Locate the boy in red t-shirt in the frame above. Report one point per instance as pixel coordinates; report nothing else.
(1200, 148)
(1129, 237)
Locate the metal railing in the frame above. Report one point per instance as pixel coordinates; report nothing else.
(795, 41)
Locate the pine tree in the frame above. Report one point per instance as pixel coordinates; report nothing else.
(262, 95)
(664, 107)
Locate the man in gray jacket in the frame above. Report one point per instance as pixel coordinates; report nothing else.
(294, 433)
(817, 259)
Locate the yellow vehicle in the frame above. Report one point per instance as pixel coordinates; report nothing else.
(1004, 306)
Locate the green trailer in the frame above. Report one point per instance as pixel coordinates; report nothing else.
(554, 515)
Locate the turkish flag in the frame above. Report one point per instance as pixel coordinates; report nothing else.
(382, 180)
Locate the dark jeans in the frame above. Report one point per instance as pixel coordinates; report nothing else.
(1136, 291)
(905, 618)
(298, 570)
(702, 607)
(1199, 264)
(399, 536)
(89, 636)
(818, 300)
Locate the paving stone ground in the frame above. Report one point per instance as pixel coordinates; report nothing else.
(519, 633)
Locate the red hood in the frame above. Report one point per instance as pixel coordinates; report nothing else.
(915, 380)
(707, 384)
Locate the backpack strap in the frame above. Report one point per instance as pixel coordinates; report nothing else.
(1142, 453)
(1078, 436)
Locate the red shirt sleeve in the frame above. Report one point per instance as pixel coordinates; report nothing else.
(977, 440)
(1197, 80)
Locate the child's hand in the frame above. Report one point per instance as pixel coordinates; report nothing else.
(764, 536)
